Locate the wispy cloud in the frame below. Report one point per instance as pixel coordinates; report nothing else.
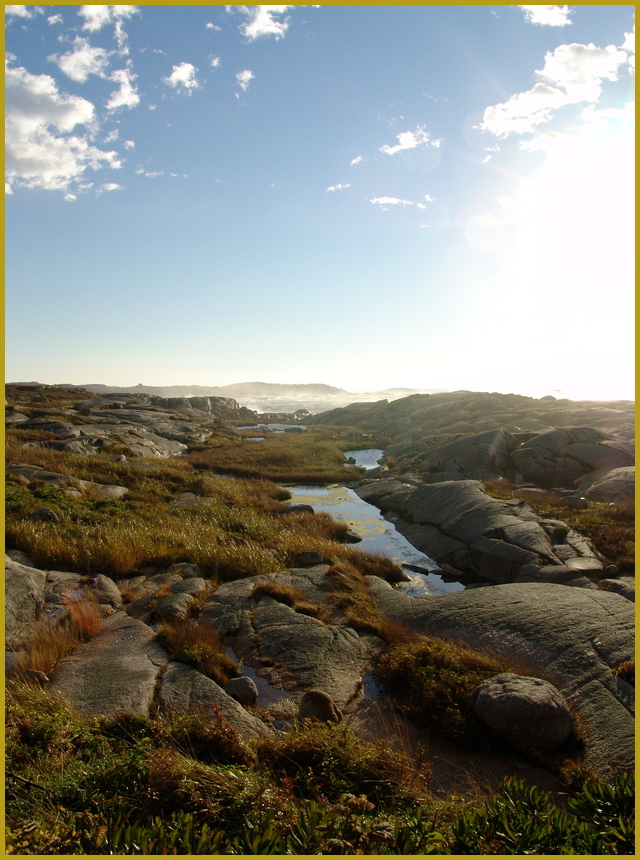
(356, 160)
(127, 95)
(571, 74)
(339, 187)
(244, 79)
(211, 26)
(263, 21)
(183, 77)
(54, 19)
(83, 60)
(410, 140)
(43, 148)
(547, 16)
(215, 62)
(390, 201)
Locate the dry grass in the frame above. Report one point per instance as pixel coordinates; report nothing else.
(292, 597)
(199, 646)
(50, 643)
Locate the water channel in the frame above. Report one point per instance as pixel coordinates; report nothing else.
(378, 534)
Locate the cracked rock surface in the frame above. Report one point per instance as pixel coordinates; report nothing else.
(114, 673)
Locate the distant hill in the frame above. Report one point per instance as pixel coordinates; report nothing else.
(240, 389)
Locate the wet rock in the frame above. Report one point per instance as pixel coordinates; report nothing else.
(528, 713)
(318, 705)
(242, 689)
(299, 509)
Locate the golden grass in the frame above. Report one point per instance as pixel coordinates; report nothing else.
(200, 646)
(292, 597)
(310, 457)
(49, 643)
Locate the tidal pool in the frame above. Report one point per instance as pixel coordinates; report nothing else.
(367, 457)
(378, 535)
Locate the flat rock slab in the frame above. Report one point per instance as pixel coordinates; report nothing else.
(114, 673)
(184, 690)
(572, 637)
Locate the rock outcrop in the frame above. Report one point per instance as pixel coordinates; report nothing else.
(572, 637)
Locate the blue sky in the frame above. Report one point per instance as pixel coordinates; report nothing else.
(364, 196)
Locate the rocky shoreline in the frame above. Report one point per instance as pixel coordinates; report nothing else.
(439, 455)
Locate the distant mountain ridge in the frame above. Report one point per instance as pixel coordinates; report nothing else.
(241, 389)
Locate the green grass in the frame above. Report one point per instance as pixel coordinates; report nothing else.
(188, 785)
(310, 457)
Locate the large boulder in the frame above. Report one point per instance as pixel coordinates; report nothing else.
(572, 637)
(481, 456)
(609, 485)
(560, 457)
(529, 713)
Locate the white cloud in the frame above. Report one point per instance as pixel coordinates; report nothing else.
(244, 79)
(580, 69)
(82, 61)
(211, 26)
(127, 95)
(183, 77)
(549, 16)
(356, 160)
(20, 11)
(338, 187)
(263, 21)
(410, 140)
(215, 62)
(41, 152)
(571, 74)
(54, 19)
(96, 17)
(129, 144)
(113, 135)
(109, 186)
(390, 201)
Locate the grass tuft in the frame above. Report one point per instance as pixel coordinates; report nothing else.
(199, 646)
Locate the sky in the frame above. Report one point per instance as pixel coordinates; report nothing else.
(366, 196)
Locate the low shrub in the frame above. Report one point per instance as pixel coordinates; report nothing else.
(433, 681)
(627, 671)
(324, 761)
